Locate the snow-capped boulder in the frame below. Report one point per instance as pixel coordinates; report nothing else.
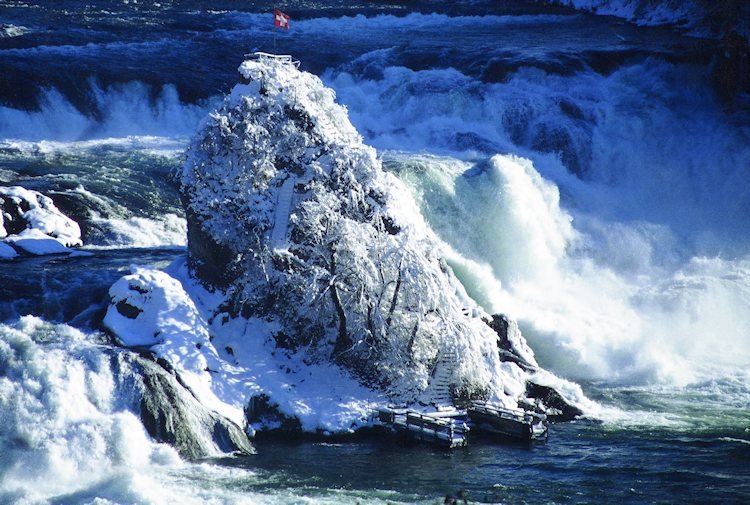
(150, 309)
(30, 223)
(294, 219)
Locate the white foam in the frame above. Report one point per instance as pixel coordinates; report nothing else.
(516, 251)
(653, 270)
(155, 145)
(8, 30)
(647, 152)
(66, 437)
(683, 13)
(168, 231)
(62, 428)
(127, 110)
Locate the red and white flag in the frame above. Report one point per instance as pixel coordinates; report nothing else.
(280, 19)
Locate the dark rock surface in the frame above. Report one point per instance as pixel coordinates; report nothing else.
(169, 411)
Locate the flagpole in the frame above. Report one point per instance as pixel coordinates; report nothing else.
(274, 30)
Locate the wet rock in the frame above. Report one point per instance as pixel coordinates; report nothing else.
(553, 404)
(171, 414)
(263, 415)
(511, 345)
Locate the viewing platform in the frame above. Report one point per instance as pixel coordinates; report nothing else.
(512, 423)
(285, 59)
(439, 428)
(450, 428)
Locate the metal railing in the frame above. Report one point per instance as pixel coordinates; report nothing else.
(280, 58)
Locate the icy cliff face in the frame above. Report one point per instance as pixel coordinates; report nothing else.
(293, 216)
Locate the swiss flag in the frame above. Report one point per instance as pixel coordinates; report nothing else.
(280, 19)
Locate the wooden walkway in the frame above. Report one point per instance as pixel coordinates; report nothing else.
(450, 428)
(438, 428)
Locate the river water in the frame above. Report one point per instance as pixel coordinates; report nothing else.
(620, 244)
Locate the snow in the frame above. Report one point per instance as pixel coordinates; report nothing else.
(322, 397)
(7, 252)
(47, 230)
(281, 216)
(36, 242)
(8, 30)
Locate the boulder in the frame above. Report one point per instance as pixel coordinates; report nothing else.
(511, 344)
(313, 289)
(552, 402)
(169, 411)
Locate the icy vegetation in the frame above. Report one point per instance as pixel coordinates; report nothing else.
(31, 224)
(321, 291)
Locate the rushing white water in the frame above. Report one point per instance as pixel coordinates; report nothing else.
(125, 110)
(631, 271)
(635, 271)
(679, 12)
(585, 316)
(698, 17)
(648, 140)
(167, 231)
(69, 436)
(64, 429)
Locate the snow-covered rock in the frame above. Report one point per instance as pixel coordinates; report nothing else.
(150, 309)
(294, 216)
(312, 284)
(30, 223)
(229, 363)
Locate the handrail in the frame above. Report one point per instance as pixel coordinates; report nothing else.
(282, 58)
(518, 415)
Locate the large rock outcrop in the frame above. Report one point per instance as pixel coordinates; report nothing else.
(313, 290)
(293, 217)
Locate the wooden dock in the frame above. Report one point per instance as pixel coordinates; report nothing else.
(513, 423)
(450, 428)
(439, 428)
